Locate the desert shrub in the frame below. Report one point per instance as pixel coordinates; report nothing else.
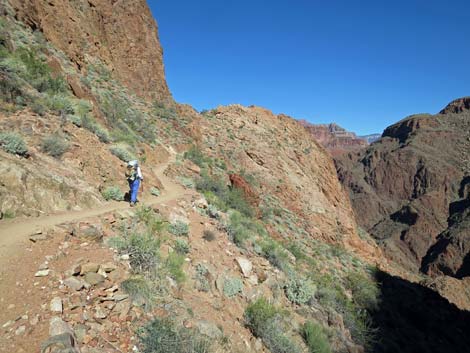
(113, 193)
(232, 286)
(212, 211)
(275, 254)
(174, 264)
(163, 336)
(202, 281)
(13, 143)
(186, 182)
(364, 289)
(143, 250)
(179, 228)
(75, 120)
(54, 145)
(263, 319)
(153, 222)
(258, 314)
(101, 133)
(60, 104)
(182, 246)
(223, 197)
(300, 291)
(154, 191)
(195, 155)
(331, 295)
(241, 228)
(315, 338)
(122, 153)
(139, 290)
(8, 214)
(90, 124)
(38, 107)
(208, 235)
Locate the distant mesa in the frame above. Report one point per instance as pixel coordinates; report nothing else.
(336, 139)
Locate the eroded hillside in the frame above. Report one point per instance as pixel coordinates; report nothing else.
(243, 240)
(410, 191)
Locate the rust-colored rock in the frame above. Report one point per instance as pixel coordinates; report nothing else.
(122, 34)
(334, 138)
(290, 166)
(403, 188)
(238, 182)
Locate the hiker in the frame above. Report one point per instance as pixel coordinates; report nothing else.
(134, 178)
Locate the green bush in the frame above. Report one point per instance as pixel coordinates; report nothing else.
(90, 124)
(13, 143)
(54, 145)
(174, 264)
(241, 228)
(315, 338)
(122, 153)
(300, 291)
(140, 290)
(186, 182)
(154, 191)
(195, 155)
(263, 319)
(364, 289)
(60, 104)
(143, 250)
(218, 193)
(202, 278)
(153, 222)
(182, 246)
(179, 228)
(258, 314)
(275, 254)
(232, 286)
(113, 193)
(163, 336)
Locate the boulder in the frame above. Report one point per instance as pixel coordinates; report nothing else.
(245, 266)
(89, 267)
(93, 278)
(74, 283)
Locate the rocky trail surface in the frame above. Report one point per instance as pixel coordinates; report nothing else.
(15, 233)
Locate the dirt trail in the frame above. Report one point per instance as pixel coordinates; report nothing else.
(14, 233)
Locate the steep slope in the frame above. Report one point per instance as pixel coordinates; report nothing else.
(290, 170)
(404, 186)
(122, 34)
(335, 138)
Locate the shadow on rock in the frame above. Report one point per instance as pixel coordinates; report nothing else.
(415, 319)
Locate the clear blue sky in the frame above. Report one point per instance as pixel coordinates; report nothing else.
(364, 67)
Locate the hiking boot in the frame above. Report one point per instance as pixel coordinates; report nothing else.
(132, 204)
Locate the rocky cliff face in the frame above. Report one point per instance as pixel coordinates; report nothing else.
(122, 34)
(405, 187)
(334, 138)
(289, 165)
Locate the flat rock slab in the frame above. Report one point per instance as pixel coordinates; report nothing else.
(56, 305)
(94, 278)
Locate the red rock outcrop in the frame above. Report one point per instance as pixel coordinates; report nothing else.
(238, 182)
(122, 34)
(288, 164)
(334, 138)
(403, 186)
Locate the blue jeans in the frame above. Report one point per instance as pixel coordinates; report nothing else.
(134, 189)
